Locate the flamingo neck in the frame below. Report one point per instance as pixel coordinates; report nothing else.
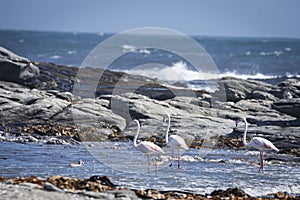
(137, 133)
(168, 128)
(245, 132)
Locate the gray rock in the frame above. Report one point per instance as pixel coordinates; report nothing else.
(31, 185)
(15, 68)
(291, 86)
(20, 192)
(263, 95)
(6, 54)
(124, 194)
(237, 89)
(50, 187)
(99, 195)
(288, 106)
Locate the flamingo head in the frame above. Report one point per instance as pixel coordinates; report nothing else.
(165, 118)
(133, 122)
(237, 122)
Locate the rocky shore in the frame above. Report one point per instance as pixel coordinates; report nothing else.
(40, 103)
(100, 187)
(37, 105)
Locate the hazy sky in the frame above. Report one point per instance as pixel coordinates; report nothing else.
(270, 18)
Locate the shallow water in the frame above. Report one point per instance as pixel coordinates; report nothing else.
(202, 171)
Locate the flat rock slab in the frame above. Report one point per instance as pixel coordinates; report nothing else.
(288, 106)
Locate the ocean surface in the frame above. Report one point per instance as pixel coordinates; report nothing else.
(257, 58)
(202, 170)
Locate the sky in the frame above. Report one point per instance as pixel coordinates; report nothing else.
(244, 18)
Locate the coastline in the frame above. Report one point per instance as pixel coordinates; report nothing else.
(37, 106)
(100, 187)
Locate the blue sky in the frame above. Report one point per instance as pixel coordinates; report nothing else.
(267, 18)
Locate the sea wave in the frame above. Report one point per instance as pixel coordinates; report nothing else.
(179, 71)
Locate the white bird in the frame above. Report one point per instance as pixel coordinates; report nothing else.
(259, 143)
(174, 141)
(146, 147)
(80, 163)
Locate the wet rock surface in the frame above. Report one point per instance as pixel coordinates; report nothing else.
(102, 187)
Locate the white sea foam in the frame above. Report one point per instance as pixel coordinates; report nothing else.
(179, 72)
(269, 53)
(130, 48)
(288, 49)
(247, 76)
(55, 57)
(72, 52)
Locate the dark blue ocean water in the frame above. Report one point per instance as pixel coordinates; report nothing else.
(242, 57)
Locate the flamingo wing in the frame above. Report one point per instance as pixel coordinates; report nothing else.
(149, 147)
(175, 141)
(262, 144)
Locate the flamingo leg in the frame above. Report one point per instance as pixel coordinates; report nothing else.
(148, 163)
(172, 159)
(156, 166)
(261, 162)
(178, 158)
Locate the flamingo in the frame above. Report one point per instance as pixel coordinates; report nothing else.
(146, 147)
(259, 143)
(174, 141)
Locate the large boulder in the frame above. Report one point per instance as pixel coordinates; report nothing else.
(17, 69)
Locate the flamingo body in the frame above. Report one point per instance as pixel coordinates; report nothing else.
(262, 144)
(176, 142)
(148, 147)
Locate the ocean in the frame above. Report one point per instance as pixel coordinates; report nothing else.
(243, 57)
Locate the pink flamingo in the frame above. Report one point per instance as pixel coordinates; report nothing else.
(174, 141)
(259, 143)
(146, 147)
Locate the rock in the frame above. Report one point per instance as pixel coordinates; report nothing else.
(263, 95)
(6, 54)
(291, 86)
(288, 106)
(237, 89)
(99, 195)
(73, 184)
(31, 185)
(50, 187)
(124, 194)
(16, 69)
(230, 192)
(73, 188)
(21, 106)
